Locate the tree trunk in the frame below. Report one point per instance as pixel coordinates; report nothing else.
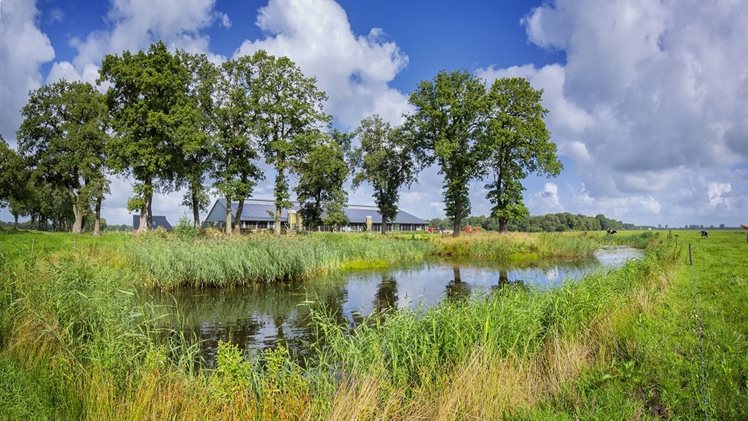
(383, 228)
(78, 212)
(149, 203)
(238, 217)
(97, 221)
(456, 274)
(15, 220)
(143, 227)
(457, 221)
(279, 180)
(277, 223)
(503, 225)
(228, 216)
(195, 209)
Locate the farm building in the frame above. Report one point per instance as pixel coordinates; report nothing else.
(157, 221)
(258, 214)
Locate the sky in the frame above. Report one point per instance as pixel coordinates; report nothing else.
(647, 100)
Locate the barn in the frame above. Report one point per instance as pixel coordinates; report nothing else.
(258, 214)
(157, 221)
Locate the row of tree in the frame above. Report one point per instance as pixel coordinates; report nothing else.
(552, 222)
(174, 120)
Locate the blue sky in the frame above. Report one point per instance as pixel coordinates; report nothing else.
(648, 100)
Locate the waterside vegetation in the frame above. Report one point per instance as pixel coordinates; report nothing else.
(77, 343)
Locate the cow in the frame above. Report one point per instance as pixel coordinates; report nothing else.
(611, 231)
(704, 234)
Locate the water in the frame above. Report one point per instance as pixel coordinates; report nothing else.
(262, 316)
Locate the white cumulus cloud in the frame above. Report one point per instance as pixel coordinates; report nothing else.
(353, 69)
(23, 48)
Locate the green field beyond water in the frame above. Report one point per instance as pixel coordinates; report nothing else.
(656, 338)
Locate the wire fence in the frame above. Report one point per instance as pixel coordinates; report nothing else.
(700, 334)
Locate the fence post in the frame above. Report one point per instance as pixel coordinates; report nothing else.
(690, 255)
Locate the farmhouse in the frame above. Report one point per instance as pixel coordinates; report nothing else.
(258, 214)
(157, 221)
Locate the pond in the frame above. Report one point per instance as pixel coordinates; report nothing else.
(261, 316)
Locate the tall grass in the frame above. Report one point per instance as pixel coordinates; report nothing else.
(517, 246)
(245, 260)
(168, 262)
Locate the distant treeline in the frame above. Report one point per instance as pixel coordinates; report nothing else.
(552, 222)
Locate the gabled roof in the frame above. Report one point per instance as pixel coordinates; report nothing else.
(157, 221)
(262, 210)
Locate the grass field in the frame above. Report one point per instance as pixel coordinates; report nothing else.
(77, 343)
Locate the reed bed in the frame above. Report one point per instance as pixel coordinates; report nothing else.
(518, 246)
(230, 262)
(169, 262)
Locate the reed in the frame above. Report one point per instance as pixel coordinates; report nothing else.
(244, 260)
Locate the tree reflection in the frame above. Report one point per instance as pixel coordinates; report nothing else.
(504, 281)
(456, 289)
(386, 295)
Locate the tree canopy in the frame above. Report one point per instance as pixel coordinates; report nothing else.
(448, 119)
(388, 158)
(63, 139)
(515, 143)
(289, 106)
(146, 100)
(322, 173)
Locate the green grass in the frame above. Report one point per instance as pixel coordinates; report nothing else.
(76, 341)
(657, 370)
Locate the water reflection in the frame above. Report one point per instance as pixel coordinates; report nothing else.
(262, 316)
(457, 290)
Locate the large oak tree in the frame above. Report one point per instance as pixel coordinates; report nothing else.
(322, 173)
(388, 158)
(63, 139)
(515, 143)
(146, 97)
(233, 127)
(449, 120)
(289, 107)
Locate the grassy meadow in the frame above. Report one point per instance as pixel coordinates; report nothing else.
(77, 343)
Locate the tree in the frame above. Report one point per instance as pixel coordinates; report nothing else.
(288, 106)
(14, 179)
(147, 93)
(448, 121)
(387, 158)
(322, 173)
(63, 138)
(193, 132)
(232, 126)
(515, 143)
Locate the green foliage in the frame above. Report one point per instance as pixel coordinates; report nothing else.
(63, 139)
(194, 129)
(232, 121)
(515, 143)
(551, 222)
(148, 104)
(288, 106)
(14, 175)
(232, 374)
(185, 230)
(448, 123)
(388, 159)
(322, 172)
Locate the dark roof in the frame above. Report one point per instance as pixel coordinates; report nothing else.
(264, 210)
(157, 221)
